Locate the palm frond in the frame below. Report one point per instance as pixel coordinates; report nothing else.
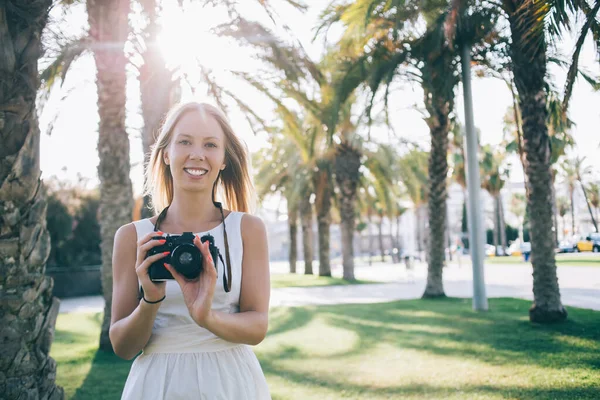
(60, 65)
(573, 69)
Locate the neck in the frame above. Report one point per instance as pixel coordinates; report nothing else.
(189, 210)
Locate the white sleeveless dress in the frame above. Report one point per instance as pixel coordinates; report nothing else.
(184, 361)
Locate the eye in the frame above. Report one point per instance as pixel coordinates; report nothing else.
(184, 141)
(211, 144)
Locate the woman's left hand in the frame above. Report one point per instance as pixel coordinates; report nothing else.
(198, 293)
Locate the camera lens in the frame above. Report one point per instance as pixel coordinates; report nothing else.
(185, 258)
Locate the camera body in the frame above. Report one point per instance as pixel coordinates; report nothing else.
(183, 255)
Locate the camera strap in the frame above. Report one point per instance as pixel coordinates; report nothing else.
(227, 271)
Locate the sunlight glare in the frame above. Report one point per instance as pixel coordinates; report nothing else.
(187, 43)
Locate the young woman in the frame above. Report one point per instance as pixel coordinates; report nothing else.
(194, 334)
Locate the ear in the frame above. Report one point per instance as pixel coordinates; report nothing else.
(166, 157)
(223, 167)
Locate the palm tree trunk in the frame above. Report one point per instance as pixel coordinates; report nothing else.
(293, 226)
(554, 209)
(322, 184)
(347, 165)
(109, 28)
(398, 232)
(439, 125)
(370, 230)
(571, 191)
(588, 205)
(156, 87)
(306, 219)
(496, 227)
(380, 237)
(529, 70)
(503, 240)
(448, 239)
(28, 309)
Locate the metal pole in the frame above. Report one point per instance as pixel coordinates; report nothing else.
(474, 210)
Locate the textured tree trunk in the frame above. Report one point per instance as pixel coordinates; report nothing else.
(439, 124)
(588, 206)
(109, 28)
(322, 184)
(293, 225)
(418, 229)
(448, 239)
(572, 211)
(347, 165)
(496, 227)
(529, 70)
(306, 219)
(157, 89)
(503, 240)
(370, 229)
(398, 244)
(28, 310)
(554, 209)
(380, 237)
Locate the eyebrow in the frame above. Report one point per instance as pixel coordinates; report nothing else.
(190, 136)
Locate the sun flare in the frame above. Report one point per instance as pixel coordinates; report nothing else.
(186, 40)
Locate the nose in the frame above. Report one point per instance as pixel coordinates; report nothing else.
(197, 154)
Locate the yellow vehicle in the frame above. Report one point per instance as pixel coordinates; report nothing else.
(589, 243)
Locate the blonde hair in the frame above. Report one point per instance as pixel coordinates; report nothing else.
(233, 182)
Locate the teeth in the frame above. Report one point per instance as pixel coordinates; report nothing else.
(196, 172)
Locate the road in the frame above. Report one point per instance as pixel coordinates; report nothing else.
(580, 286)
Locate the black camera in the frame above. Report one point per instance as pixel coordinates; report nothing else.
(183, 255)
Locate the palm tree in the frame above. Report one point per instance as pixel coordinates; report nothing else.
(310, 86)
(108, 21)
(529, 24)
(413, 172)
(380, 178)
(518, 206)
(494, 176)
(562, 205)
(380, 40)
(279, 170)
(158, 86)
(570, 179)
(594, 195)
(582, 172)
(29, 310)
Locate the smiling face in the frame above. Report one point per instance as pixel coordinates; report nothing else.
(196, 152)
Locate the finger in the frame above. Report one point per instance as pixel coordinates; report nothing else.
(150, 244)
(149, 237)
(176, 275)
(151, 260)
(204, 248)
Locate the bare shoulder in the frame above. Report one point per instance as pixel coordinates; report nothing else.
(126, 233)
(252, 226)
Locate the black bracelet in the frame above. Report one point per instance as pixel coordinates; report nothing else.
(153, 302)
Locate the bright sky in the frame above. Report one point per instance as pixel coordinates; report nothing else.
(71, 151)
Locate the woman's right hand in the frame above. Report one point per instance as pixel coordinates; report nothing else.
(153, 291)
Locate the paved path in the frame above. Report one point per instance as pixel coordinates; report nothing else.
(580, 286)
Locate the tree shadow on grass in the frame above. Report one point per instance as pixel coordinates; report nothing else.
(501, 336)
(106, 378)
(288, 319)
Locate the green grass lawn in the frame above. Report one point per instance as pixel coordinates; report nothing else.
(418, 349)
(561, 260)
(301, 280)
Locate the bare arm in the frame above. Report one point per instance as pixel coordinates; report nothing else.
(250, 325)
(132, 319)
